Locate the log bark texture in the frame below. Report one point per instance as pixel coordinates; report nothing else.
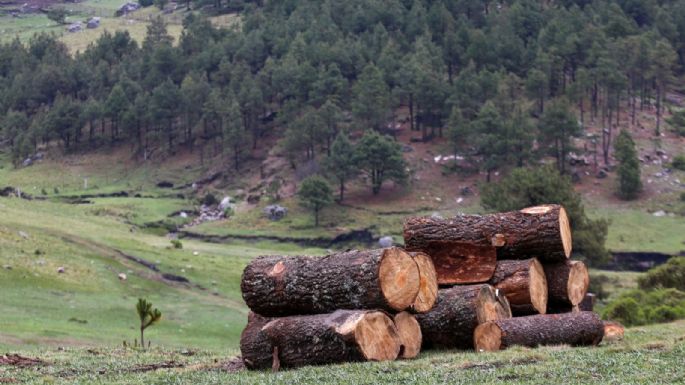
(457, 312)
(255, 348)
(386, 279)
(567, 283)
(540, 231)
(428, 283)
(524, 284)
(577, 329)
(342, 336)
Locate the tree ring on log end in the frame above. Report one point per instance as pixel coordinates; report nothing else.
(538, 286)
(376, 336)
(409, 331)
(565, 231)
(398, 278)
(487, 337)
(578, 282)
(490, 308)
(428, 283)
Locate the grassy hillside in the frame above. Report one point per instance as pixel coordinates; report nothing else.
(647, 355)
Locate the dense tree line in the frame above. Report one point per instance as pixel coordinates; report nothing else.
(507, 82)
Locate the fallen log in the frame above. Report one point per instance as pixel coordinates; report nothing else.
(457, 312)
(342, 336)
(386, 279)
(524, 284)
(428, 283)
(582, 328)
(567, 283)
(541, 231)
(613, 331)
(409, 331)
(255, 348)
(461, 263)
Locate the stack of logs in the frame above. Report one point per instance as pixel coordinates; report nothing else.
(385, 304)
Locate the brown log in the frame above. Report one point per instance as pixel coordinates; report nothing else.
(409, 332)
(457, 312)
(541, 231)
(583, 328)
(461, 262)
(524, 284)
(428, 283)
(567, 283)
(613, 331)
(255, 348)
(342, 336)
(386, 279)
(588, 302)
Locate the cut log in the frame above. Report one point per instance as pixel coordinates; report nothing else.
(583, 328)
(567, 283)
(541, 231)
(461, 262)
(588, 302)
(255, 348)
(613, 331)
(386, 279)
(342, 336)
(428, 283)
(457, 312)
(524, 284)
(409, 332)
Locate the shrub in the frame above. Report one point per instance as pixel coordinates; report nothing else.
(626, 311)
(55, 190)
(209, 199)
(145, 3)
(682, 196)
(43, 191)
(678, 162)
(669, 275)
(177, 244)
(664, 313)
(629, 183)
(637, 307)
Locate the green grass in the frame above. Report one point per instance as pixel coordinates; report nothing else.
(647, 355)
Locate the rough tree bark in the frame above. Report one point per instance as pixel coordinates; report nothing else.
(409, 332)
(255, 348)
(386, 279)
(457, 312)
(342, 336)
(541, 231)
(428, 283)
(567, 283)
(582, 328)
(524, 284)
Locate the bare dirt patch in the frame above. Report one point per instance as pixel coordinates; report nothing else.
(156, 366)
(20, 361)
(233, 365)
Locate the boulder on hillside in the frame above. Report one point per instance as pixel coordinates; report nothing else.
(75, 27)
(225, 203)
(93, 22)
(275, 212)
(386, 241)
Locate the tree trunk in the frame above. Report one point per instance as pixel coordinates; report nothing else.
(577, 329)
(385, 279)
(342, 336)
(567, 283)
(457, 312)
(524, 284)
(409, 331)
(428, 283)
(541, 231)
(461, 262)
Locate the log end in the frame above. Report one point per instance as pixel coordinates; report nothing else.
(613, 331)
(487, 337)
(399, 278)
(565, 231)
(538, 286)
(375, 335)
(428, 283)
(491, 306)
(578, 282)
(409, 331)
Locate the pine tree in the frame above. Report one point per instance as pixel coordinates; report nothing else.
(315, 194)
(342, 163)
(381, 158)
(629, 183)
(148, 317)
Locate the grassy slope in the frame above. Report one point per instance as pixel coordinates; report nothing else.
(647, 355)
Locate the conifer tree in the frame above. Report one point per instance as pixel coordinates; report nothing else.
(629, 183)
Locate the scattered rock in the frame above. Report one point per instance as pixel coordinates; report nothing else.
(122, 277)
(93, 22)
(27, 162)
(460, 199)
(225, 203)
(407, 148)
(60, 270)
(183, 214)
(386, 241)
(438, 199)
(196, 253)
(436, 215)
(275, 212)
(127, 7)
(75, 27)
(465, 191)
(23, 235)
(601, 174)
(7, 267)
(660, 213)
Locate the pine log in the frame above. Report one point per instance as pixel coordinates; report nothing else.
(460, 262)
(613, 331)
(457, 312)
(255, 348)
(409, 332)
(524, 284)
(541, 231)
(588, 302)
(582, 328)
(386, 279)
(428, 283)
(567, 283)
(342, 336)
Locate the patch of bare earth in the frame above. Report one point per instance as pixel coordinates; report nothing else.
(20, 361)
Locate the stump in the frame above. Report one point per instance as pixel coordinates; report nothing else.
(577, 329)
(524, 284)
(428, 283)
(409, 332)
(386, 279)
(457, 312)
(541, 231)
(567, 283)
